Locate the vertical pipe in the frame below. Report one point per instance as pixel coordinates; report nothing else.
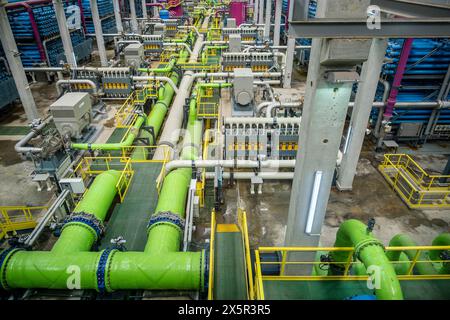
(99, 33)
(261, 12)
(16, 67)
(287, 76)
(144, 9)
(255, 11)
(407, 45)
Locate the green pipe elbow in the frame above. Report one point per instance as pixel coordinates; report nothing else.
(402, 240)
(441, 240)
(369, 250)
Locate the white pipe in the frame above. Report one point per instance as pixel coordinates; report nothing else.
(177, 44)
(271, 164)
(20, 146)
(277, 105)
(159, 78)
(248, 120)
(59, 83)
(249, 175)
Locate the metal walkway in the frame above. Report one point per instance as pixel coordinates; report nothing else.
(129, 218)
(229, 264)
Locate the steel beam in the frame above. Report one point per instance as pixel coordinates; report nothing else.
(261, 12)
(117, 15)
(413, 8)
(266, 35)
(134, 22)
(357, 28)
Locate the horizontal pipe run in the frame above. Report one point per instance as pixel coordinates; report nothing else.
(248, 120)
(250, 175)
(175, 164)
(158, 78)
(91, 83)
(178, 44)
(20, 146)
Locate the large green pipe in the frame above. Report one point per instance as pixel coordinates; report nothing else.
(369, 250)
(77, 236)
(403, 240)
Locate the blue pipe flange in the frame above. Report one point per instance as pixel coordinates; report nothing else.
(166, 218)
(206, 258)
(5, 256)
(86, 219)
(103, 283)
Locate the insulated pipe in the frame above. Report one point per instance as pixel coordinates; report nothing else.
(255, 47)
(271, 164)
(178, 44)
(60, 83)
(250, 175)
(159, 78)
(20, 146)
(278, 105)
(370, 251)
(248, 120)
(398, 77)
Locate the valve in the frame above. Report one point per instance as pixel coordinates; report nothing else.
(370, 225)
(119, 243)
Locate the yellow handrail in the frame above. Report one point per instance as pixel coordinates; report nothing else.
(15, 218)
(211, 256)
(242, 219)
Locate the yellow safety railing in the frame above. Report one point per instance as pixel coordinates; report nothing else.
(15, 218)
(242, 223)
(142, 154)
(416, 172)
(294, 260)
(413, 184)
(126, 115)
(211, 256)
(91, 166)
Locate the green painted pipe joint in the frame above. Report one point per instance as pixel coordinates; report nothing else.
(5, 257)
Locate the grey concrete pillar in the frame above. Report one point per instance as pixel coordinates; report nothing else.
(255, 11)
(64, 33)
(134, 22)
(267, 20)
(287, 76)
(15, 65)
(365, 96)
(327, 96)
(117, 15)
(98, 33)
(277, 29)
(144, 9)
(261, 12)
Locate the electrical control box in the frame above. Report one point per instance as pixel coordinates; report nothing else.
(134, 55)
(75, 185)
(243, 86)
(234, 44)
(231, 23)
(72, 113)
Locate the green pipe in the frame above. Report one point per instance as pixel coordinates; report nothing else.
(441, 240)
(132, 135)
(402, 240)
(168, 68)
(77, 236)
(369, 250)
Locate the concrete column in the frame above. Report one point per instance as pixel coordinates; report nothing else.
(134, 22)
(64, 33)
(99, 33)
(365, 96)
(327, 96)
(277, 29)
(117, 15)
(144, 9)
(15, 65)
(287, 76)
(261, 12)
(255, 11)
(267, 20)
